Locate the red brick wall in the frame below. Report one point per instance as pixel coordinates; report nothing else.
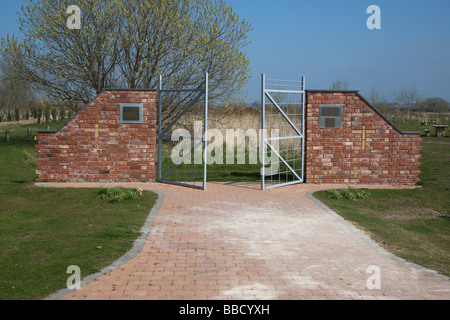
(125, 153)
(337, 155)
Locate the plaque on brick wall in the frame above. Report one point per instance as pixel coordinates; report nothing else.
(330, 117)
(331, 112)
(330, 123)
(131, 113)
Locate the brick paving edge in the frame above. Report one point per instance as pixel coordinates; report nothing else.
(371, 243)
(132, 253)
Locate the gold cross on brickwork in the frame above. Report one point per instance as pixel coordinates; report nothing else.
(364, 132)
(96, 131)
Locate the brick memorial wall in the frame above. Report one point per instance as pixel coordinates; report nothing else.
(365, 149)
(347, 142)
(96, 146)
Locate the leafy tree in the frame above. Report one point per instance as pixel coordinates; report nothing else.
(47, 114)
(62, 113)
(15, 91)
(129, 43)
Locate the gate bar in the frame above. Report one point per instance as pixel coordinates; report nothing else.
(205, 139)
(263, 127)
(159, 126)
(303, 126)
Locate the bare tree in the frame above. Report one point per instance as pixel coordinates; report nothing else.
(434, 105)
(339, 85)
(409, 98)
(379, 101)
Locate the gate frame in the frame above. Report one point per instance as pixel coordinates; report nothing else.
(201, 92)
(265, 93)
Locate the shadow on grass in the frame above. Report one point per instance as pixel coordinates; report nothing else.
(249, 175)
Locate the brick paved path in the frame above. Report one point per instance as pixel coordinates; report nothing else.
(234, 241)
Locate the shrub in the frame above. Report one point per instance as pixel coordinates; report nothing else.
(335, 194)
(350, 194)
(118, 194)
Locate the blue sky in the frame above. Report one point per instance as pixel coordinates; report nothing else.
(326, 40)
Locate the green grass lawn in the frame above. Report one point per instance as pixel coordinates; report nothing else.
(412, 224)
(43, 231)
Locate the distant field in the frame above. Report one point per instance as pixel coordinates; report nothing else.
(418, 125)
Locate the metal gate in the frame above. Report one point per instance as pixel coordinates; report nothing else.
(183, 115)
(283, 132)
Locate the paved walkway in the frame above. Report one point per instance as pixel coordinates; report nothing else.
(234, 241)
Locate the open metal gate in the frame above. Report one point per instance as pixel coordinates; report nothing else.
(182, 132)
(283, 132)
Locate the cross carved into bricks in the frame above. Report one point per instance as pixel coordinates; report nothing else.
(96, 131)
(364, 132)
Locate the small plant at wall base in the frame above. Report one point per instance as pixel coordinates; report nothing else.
(351, 194)
(117, 195)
